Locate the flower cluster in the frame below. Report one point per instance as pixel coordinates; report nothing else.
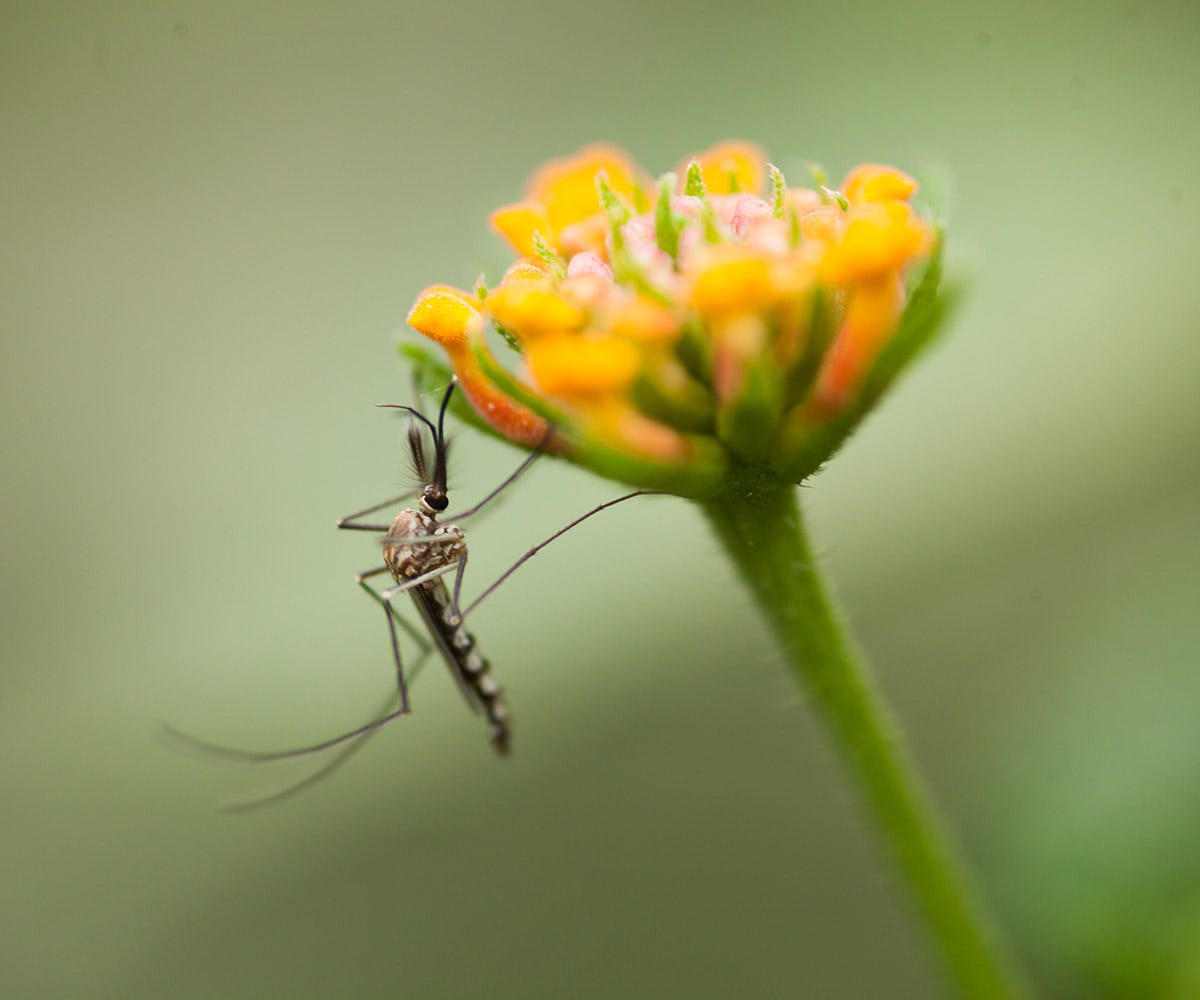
(670, 331)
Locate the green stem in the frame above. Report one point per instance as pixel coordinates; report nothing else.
(763, 532)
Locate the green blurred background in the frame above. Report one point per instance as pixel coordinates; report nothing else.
(215, 217)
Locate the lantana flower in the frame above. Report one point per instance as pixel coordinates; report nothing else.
(718, 334)
(672, 332)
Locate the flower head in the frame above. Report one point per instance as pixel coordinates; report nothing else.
(671, 331)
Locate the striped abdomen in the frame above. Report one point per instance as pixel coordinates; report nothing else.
(462, 656)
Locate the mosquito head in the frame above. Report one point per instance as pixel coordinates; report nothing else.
(433, 498)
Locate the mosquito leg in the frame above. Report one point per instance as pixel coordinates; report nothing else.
(183, 741)
(350, 521)
(384, 599)
(400, 683)
(416, 581)
(561, 531)
(269, 796)
(537, 453)
(455, 607)
(414, 633)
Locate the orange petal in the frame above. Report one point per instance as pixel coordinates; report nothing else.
(871, 318)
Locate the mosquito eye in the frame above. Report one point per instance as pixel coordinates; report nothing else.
(437, 501)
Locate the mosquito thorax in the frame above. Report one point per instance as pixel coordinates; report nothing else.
(406, 548)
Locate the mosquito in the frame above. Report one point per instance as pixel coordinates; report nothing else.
(419, 553)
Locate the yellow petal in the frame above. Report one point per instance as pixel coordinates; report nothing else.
(731, 166)
(566, 188)
(731, 278)
(517, 224)
(446, 316)
(879, 237)
(530, 308)
(645, 320)
(578, 366)
(876, 182)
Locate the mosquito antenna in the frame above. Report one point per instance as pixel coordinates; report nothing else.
(416, 450)
(558, 534)
(537, 453)
(439, 441)
(411, 410)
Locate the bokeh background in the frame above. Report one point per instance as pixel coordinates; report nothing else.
(215, 216)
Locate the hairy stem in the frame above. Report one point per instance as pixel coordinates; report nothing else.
(763, 532)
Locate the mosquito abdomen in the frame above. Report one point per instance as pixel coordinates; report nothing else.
(462, 653)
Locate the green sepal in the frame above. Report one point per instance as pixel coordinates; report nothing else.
(708, 219)
(795, 236)
(778, 190)
(689, 407)
(641, 200)
(832, 195)
(928, 304)
(432, 365)
(512, 387)
(694, 186)
(508, 337)
(667, 225)
(803, 447)
(817, 176)
(821, 328)
(617, 211)
(694, 352)
(700, 477)
(748, 422)
(626, 271)
(549, 256)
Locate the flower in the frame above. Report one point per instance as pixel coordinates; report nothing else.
(674, 332)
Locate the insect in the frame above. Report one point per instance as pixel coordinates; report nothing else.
(419, 552)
